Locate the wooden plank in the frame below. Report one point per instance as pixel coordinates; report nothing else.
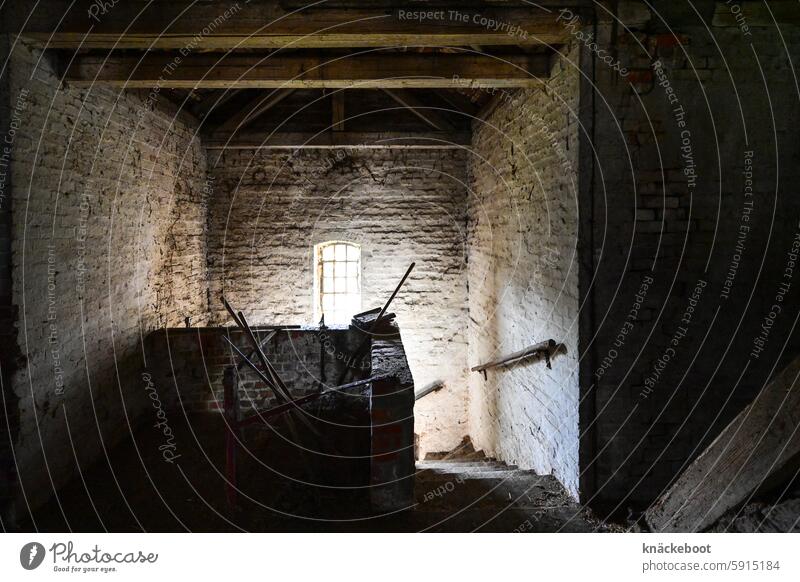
(494, 102)
(375, 69)
(758, 442)
(253, 110)
(212, 101)
(337, 111)
(438, 4)
(234, 24)
(458, 101)
(328, 140)
(430, 116)
(391, 412)
(232, 415)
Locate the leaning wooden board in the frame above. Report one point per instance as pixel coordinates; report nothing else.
(758, 442)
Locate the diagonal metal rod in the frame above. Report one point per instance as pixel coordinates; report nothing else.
(281, 408)
(232, 312)
(271, 372)
(238, 322)
(274, 375)
(248, 362)
(262, 342)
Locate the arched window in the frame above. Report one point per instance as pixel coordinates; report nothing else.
(337, 281)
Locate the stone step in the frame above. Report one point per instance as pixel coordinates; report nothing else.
(471, 469)
(498, 493)
(566, 519)
(462, 466)
(495, 475)
(436, 474)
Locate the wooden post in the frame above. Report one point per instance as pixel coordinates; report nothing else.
(230, 385)
(392, 427)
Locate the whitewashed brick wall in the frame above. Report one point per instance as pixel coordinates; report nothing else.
(269, 209)
(109, 243)
(523, 275)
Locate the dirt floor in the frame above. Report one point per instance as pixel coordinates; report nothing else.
(139, 491)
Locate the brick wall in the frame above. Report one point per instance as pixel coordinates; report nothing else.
(523, 275)
(9, 350)
(270, 208)
(689, 260)
(108, 227)
(188, 364)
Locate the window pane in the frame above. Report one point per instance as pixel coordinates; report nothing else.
(348, 304)
(339, 281)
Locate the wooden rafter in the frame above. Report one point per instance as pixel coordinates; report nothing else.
(331, 139)
(337, 111)
(373, 70)
(214, 100)
(458, 101)
(226, 25)
(253, 110)
(430, 116)
(492, 104)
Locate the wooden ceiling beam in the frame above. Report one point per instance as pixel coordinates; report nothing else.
(213, 101)
(262, 24)
(337, 111)
(365, 71)
(337, 139)
(458, 101)
(253, 110)
(427, 114)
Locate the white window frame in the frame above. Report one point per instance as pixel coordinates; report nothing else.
(318, 290)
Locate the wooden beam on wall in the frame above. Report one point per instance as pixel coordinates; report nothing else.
(232, 24)
(493, 103)
(337, 111)
(373, 70)
(253, 110)
(430, 116)
(213, 101)
(761, 440)
(459, 102)
(338, 139)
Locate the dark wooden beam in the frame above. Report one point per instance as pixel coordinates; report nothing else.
(212, 101)
(458, 101)
(492, 104)
(337, 111)
(253, 110)
(331, 139)
(761, 440)
(232, 24)
(372, 70)
(427, 114)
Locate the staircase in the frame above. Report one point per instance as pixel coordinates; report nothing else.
(475, 493)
